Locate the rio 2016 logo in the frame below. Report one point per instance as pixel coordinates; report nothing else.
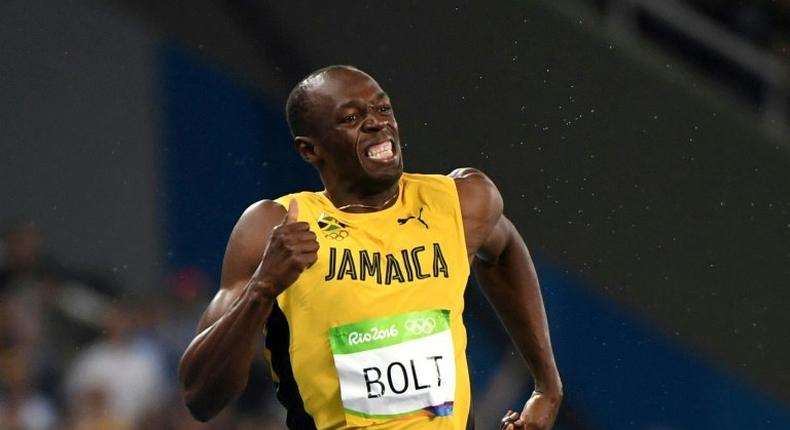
(375, 333)
(419, 326)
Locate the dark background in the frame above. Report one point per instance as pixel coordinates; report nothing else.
(642, 170)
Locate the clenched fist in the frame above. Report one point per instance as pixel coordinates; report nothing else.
(292, 248)
(539, 413)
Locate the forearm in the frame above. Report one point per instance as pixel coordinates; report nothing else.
(511, 284)
(215, 366)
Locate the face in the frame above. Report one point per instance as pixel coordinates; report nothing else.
(355, 138)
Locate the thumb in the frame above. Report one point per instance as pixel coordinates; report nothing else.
(293, 212)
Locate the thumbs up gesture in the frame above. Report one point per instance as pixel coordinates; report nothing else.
(292, 248)
(293, 212)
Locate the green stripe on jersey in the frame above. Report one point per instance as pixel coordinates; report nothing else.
(386, 331)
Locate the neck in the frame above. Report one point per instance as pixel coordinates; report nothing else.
(349, 201)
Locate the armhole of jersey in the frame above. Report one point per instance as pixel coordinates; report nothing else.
(459, 219)
(277, 344)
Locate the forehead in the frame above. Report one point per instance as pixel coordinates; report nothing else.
(339, 87)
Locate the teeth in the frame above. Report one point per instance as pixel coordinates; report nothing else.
(381, 150)
(381, 155)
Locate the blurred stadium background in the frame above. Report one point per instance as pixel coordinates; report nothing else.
(642, 148)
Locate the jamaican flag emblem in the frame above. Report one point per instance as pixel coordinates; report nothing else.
(332, 227)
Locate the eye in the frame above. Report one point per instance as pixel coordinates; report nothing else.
(385, 109)
(349, 118)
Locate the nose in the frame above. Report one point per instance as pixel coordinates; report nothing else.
(375, 122)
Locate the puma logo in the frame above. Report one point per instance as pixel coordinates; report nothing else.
(402, 221)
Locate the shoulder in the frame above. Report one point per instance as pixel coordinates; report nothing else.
(258, 216)
(481, 206)
(248, 239)
(477, 192)
(263, 209)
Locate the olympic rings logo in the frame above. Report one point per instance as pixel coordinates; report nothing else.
(337, 235)
(420, 325)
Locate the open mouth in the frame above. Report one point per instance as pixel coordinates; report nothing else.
(381, 151)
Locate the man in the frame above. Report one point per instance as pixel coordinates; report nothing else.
(360, 287)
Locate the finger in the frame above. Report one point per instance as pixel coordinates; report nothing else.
(311, 247)
(304, 248)
(507, 420)
(293, 227)
(296, 236)
(293, 212)
(302, 262)
(307, 260)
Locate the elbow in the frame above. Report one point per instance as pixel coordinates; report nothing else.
(206, 395)
(193, 391)
(201, 406)
(205, 399)
(200, 409)
(199, 414)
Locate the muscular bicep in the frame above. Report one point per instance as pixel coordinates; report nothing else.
(243, 255)
(485, 227)
(497, 240)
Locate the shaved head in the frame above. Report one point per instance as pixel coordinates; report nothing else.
(299, 103)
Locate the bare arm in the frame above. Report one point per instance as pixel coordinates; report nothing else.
(505, 271)
(266, 252)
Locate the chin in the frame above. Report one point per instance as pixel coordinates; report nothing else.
(388, 178)
(382, 180)
(378, 176)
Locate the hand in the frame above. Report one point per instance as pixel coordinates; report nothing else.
(292, 248)
(539, 414)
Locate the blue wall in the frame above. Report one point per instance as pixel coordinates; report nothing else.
(225, 146)
(619, 372)
(623, 374)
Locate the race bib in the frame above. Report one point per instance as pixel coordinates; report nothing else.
(395, 366)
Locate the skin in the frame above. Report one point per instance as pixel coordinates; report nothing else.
(269, 248)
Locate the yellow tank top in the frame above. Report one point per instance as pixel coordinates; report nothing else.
(371, 335)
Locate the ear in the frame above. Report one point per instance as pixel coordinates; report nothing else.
(305, 146)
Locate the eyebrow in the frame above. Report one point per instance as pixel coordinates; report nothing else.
(353, 103)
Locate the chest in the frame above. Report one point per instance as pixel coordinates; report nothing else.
(402, 249)
(410, 260)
